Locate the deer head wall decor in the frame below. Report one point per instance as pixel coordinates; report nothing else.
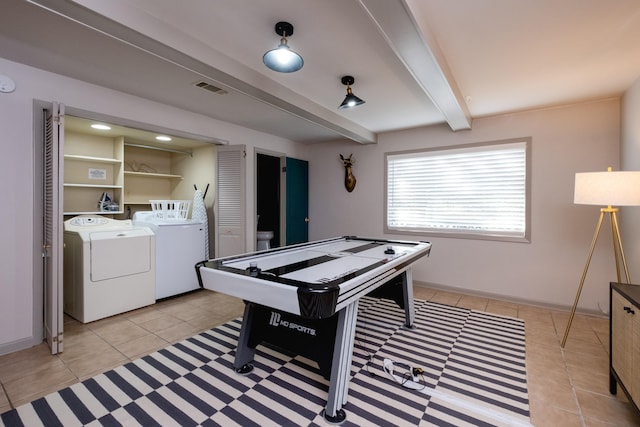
(349, 179)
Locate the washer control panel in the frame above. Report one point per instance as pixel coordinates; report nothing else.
(88, 221)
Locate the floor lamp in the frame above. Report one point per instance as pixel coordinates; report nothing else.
(605, 189)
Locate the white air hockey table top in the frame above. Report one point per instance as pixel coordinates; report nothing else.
(313, 274)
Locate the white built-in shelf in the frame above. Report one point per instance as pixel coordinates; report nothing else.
(94, 213)
(152, 147)
(92, 185)
(91, 159)
(152, 175)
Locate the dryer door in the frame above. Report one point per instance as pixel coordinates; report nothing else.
(120, 253)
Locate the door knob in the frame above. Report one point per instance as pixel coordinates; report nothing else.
(306, 220)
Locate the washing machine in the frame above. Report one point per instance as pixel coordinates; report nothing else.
(180, 245)
(109, 267)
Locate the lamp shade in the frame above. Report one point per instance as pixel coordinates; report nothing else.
(621, 188)
(283, 59)
(350, 100)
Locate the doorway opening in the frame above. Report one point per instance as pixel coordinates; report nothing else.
(269, 196)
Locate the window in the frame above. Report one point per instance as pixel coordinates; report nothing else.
(472, 191)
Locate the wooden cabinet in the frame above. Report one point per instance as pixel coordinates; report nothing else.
(624, 339)
(92, 166)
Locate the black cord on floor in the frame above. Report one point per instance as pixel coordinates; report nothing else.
(369, 355)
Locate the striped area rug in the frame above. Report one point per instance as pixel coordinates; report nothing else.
(473, 374)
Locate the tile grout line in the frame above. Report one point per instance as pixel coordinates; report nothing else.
(573, 387)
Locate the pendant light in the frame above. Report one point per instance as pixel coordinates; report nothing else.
(350, 100)
(282, 59)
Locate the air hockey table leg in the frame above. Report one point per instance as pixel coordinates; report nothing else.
(244, 353)
(407, 292)
(341, 365)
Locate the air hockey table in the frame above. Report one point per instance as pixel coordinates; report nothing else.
(304, 298)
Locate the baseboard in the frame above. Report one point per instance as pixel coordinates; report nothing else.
(18, 345)
(514, 300)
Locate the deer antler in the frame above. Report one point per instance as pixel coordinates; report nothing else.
(347, 161)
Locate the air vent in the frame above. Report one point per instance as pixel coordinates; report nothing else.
(210, 87)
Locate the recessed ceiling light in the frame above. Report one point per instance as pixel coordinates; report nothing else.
(163, 138)
(100, 127)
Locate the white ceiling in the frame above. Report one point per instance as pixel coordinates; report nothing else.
(415, 62)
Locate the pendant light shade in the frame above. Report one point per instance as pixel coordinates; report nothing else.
(282, 59)
(350, 100)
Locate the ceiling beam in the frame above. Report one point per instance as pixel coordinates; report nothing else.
(409, 37)
(277, 96)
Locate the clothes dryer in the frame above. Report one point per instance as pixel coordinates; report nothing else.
(109, 267)
(180, 245)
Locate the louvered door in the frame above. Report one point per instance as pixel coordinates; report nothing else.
(52, 252)
(230, 204)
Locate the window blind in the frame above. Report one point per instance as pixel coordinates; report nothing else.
(479, 189)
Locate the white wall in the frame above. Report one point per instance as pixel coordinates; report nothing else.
(18, 263)
(565, 140)
(630, 154)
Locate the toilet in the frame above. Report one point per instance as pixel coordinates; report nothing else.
(264, 239)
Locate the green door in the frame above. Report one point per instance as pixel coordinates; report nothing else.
(297, 209)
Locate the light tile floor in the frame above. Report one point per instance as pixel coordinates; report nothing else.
(567, 387)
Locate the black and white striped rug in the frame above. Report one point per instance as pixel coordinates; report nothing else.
(473, 373)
